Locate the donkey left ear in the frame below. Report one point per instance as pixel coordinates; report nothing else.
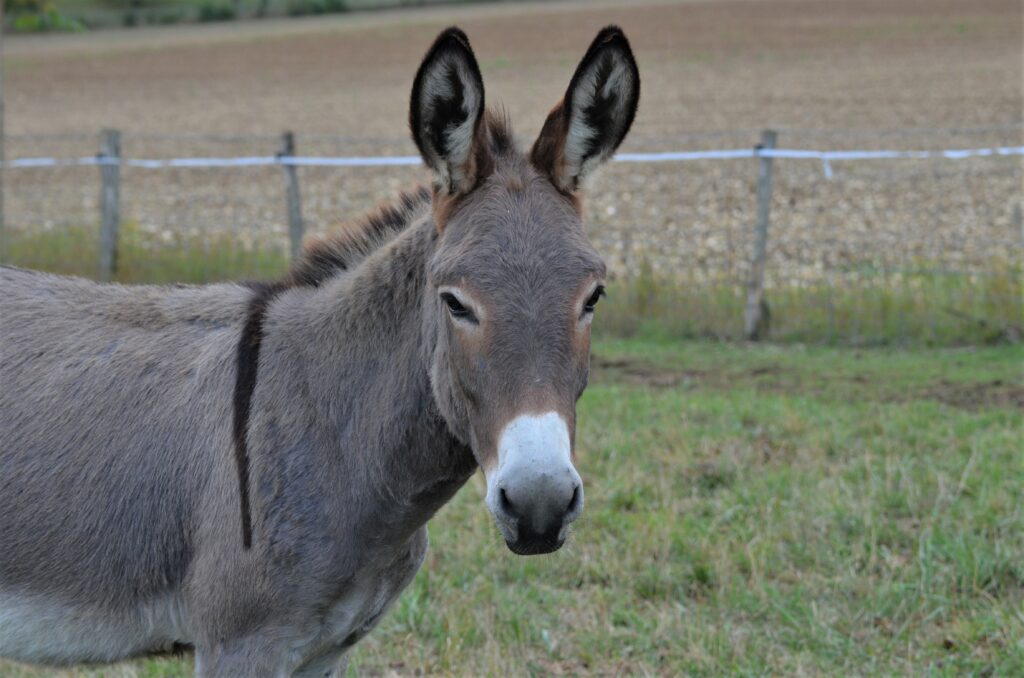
(590, 122)
(446, 110)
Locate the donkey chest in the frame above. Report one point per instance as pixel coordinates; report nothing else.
(363, 602)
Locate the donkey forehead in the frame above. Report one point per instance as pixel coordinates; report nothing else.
(508, 234)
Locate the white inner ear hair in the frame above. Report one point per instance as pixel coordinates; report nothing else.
(451, 163)
(582, 137)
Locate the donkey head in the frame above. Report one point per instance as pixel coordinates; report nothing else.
(513, 281)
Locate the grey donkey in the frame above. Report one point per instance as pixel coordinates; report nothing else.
(246, 471)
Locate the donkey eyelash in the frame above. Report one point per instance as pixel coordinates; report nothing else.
(591, 302)
(456, 308)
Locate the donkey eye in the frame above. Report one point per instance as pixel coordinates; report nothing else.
(456, 308)
(588, 307)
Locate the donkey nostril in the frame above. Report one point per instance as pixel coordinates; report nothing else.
(505, 503)
(574, 502)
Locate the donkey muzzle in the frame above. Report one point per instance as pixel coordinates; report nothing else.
(535, 492)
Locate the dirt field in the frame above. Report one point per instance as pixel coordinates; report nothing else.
(910, 74)
(972, 397)
(711, 65)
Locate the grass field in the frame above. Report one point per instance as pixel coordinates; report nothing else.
(915, 308)
(756, 510)
(750, 511)
(95, 14)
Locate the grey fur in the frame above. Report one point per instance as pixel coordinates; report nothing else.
(373, 405)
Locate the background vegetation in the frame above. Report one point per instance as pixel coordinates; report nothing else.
(30, 16)
(916, 307)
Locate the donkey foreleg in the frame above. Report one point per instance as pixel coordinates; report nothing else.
(329, 664)
(258, 655)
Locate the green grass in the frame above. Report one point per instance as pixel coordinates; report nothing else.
(774, 509)
(142, 258)
(751, 510)
(771, 509)
(97, 14)
(918, 306)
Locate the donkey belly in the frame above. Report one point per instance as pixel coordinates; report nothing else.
(114, 417)
(41, 629)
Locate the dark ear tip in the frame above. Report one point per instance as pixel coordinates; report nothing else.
(610, 35)
(611, 30)
(452, 36)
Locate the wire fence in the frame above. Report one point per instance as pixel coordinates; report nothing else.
(873, 235)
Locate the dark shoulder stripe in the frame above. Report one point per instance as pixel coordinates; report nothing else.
(248, 355)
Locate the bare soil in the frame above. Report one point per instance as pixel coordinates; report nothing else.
(826, 73)
(970, 396)
(707, 65)
(978, 396)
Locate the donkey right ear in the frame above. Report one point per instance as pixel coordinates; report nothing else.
(446, 111)
(586, 127)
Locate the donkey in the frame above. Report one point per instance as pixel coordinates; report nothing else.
(246, 471)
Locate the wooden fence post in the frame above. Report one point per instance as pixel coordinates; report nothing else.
(3, 168)
(1018, 220)
(756, 316)
(110, 202)
(291, 180)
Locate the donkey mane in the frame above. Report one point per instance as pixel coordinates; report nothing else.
(342, 248)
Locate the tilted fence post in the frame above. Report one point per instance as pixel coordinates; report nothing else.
(1018, 220)
(291, 180)
(3, 165)
(756, 315)
(110, 202)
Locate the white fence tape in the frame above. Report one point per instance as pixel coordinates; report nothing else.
(825, 157)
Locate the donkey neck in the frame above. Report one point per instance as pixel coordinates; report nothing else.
(367, 345)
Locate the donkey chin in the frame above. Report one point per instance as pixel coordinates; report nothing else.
(534, 492)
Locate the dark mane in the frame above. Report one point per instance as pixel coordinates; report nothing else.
(348, 244)
(345, 246)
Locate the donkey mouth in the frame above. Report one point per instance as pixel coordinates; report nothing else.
(529, 543)
(522, 547)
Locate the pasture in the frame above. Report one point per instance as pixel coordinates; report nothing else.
(778, 509)
(754, 510)
(759, 510)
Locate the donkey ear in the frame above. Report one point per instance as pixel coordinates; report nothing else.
(446, 111)
(590, 122)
